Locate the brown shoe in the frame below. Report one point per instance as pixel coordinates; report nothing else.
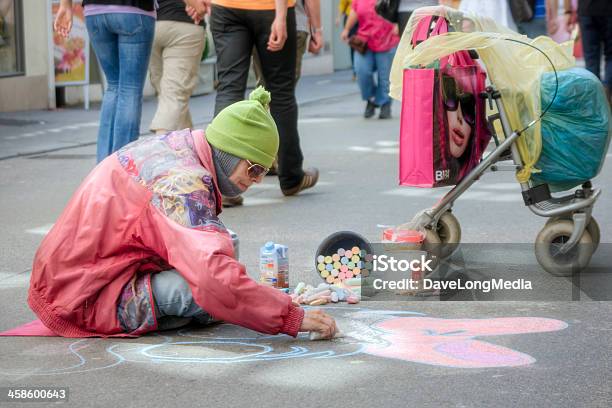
(311, 176)
(229, 202)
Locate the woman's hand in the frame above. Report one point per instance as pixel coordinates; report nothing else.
(63, 21)
(571, 20)
(319, 322)
(396, 29)
(193, 13)
(316, 41)
(345, 35)
(278, 34)
(201, 7)
(552, 26)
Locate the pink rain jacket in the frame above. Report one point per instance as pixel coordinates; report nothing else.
(151, 206)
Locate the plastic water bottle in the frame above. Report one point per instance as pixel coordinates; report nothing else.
(274, 265)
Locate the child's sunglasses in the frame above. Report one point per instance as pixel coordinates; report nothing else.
(255, 170)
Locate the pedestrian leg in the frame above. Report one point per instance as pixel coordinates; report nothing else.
(136, 34)
(279, 75)
(591, 43)
(233, 44)
(608, 53)
(106, 47)
(181, 62)
(156, 66)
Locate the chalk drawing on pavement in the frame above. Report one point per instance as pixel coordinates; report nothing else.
(400, 335)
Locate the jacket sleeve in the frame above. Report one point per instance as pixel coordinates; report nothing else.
(219, 283)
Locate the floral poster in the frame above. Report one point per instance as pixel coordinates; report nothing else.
(71, 55)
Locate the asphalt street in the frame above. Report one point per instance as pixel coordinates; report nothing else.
(540, 352)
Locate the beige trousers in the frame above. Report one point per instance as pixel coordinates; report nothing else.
(175, 61)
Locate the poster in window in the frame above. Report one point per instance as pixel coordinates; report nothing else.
(71, 55)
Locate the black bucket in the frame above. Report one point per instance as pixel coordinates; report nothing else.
(341, 239)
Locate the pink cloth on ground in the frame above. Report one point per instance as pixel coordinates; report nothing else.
(34, 328)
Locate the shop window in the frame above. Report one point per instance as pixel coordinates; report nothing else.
(11, 38)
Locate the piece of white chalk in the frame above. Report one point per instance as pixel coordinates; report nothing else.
(317, 295)
(318, 336)
(299, 288)
(312, 292)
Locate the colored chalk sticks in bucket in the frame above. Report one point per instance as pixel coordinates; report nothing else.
(358, 263)
(342, 256)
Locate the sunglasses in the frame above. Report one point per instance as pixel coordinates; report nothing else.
(255, 170)
(453, 98)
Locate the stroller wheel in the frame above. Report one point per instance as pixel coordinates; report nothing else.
(432, 245)
(449, 232)
(592, 227)
(549, 242)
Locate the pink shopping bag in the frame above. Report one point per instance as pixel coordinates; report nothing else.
(443, 130)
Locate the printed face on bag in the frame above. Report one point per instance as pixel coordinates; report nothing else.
(460, 110)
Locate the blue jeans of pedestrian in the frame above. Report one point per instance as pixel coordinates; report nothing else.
(174, 303)
(122, 43)
(366, 65)
(597, 30)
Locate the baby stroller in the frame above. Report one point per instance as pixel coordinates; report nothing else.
(570, 236)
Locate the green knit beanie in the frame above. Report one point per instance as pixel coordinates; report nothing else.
(246, 129)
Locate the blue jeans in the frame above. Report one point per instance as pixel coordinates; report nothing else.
(596, 31)
(122, 42)
(368, 63)
(174, 304)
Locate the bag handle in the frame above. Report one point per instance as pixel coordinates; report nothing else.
(424, 30)
(421, 33)
(460, 58)
(440, 28)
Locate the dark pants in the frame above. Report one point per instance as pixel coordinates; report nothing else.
(235, 32)
(596, 30)
(352, 32)
(402, 20)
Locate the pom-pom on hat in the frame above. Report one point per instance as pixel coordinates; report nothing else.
(246, 129)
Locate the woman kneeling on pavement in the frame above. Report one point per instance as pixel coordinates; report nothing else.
(140, 246)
